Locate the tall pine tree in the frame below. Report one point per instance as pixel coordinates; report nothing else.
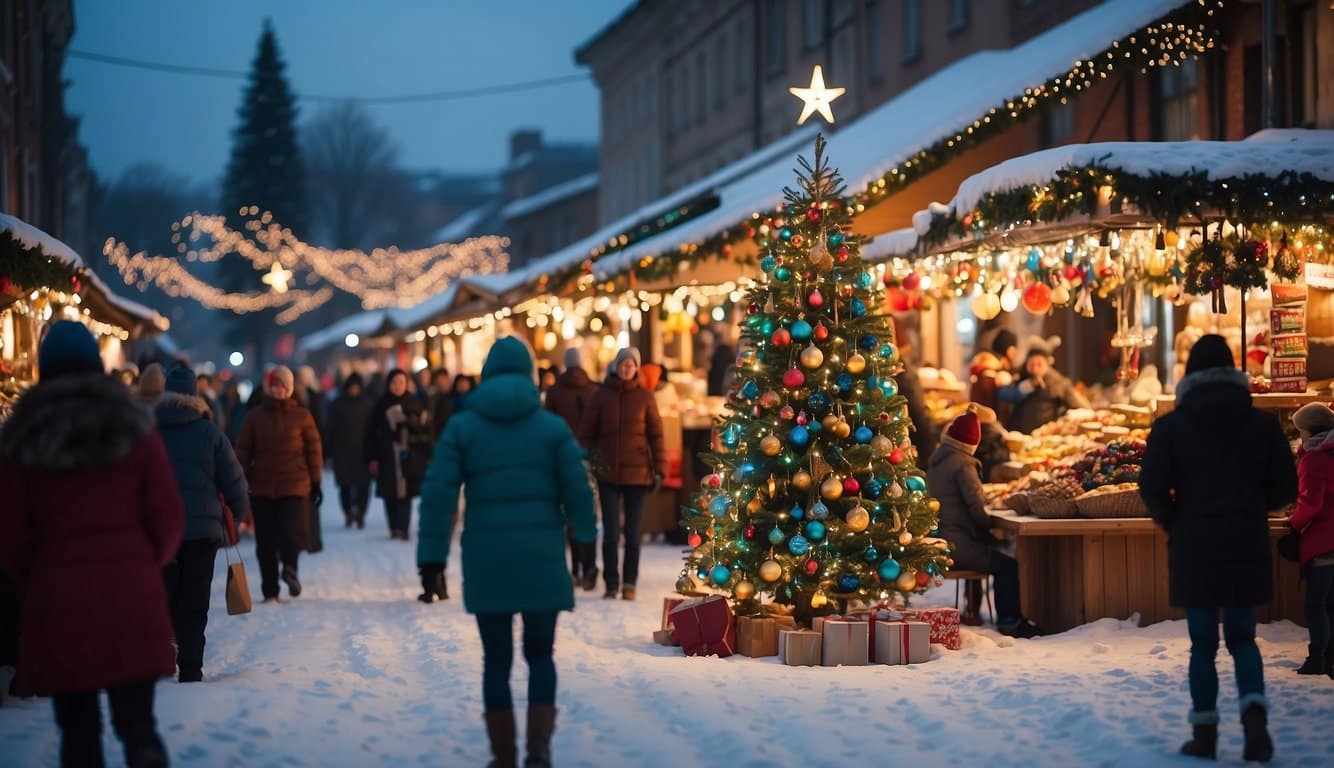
(816, 496)
(264, 171)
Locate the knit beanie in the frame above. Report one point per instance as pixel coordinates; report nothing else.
(1004, 339)
(282, 375)
(68, 348)
(1313, 418)
(626, 352)
(1210, 351)
(182, 381)
(965, 432)
(573, 358)
(152, 382)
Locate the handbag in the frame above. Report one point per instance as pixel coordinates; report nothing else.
(1289, 546)
(229, 523)
(238, 591)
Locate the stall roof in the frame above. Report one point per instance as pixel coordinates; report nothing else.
(371, 323)
(934, 109)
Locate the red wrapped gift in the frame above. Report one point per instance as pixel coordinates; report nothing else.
(705, 626)
(671, 601)
(903, 642)
(944, 624)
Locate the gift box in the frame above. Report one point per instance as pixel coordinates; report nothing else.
(873, 616)
(665, 637)
(944, 623)
(1289, 385)
(1287, 368)
(756, 637)
(799, 647)
(1287, 293)
(902, 642)
(672, 601)
(705, 626)
(1289, 345)
(1287, 320)
(845, 642)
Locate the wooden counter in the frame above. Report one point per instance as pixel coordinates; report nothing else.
(1075, 571)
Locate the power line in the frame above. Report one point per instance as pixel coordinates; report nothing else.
(450, 95)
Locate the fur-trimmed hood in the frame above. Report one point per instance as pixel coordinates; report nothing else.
(174, 408)
(1211, 376)
(74, 421)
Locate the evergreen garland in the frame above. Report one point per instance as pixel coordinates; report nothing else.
(29, 268)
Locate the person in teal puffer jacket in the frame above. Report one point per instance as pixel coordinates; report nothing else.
(525, 479)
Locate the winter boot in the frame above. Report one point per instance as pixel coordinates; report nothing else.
(290, 579)
(1255, 724)
(1315, 664)
(1203, 742)
(147, 756)
(500, 730)
(972, 612)
(541, 724)
(628, 592)
(589, 581)
(190, 675)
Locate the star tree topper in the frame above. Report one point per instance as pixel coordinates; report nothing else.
(277, 278)
(816, 98)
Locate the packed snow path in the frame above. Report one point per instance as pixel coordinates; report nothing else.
(357, 672)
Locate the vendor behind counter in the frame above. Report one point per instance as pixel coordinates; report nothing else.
(1042, 394)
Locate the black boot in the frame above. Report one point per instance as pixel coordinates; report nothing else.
(290, 579)
(1203, 742)
(1255, 724)
(501, 732)
(1316, 663)
(541, 724)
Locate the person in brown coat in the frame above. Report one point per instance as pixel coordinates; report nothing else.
(622, 431)
(279, 449)
(568, 398)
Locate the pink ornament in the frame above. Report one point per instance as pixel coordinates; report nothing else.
(815, 300)
(786, 413)
(794, 378)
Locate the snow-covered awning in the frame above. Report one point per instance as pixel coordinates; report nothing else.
(375, 322)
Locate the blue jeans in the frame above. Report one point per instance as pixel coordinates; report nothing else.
(1319, 605)
(612, 496)
(539, 640)
(1239, 636)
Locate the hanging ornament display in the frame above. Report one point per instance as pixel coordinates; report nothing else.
(1037, 298)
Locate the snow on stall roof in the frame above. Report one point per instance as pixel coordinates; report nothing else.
(463, 226)
(1269, 152)
(890, 244)
(132, 308)
(33, 237)
(934, 109)
(550, 196)
(362, 324)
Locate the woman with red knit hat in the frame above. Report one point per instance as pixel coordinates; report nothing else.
(954, 477)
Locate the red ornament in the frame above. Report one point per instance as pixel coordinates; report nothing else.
(753, 309)
(794, 378)
(786, 413)
(912, 282)
(750, 232)
(727, 250)
(782, 337)
(694, 539)
(923, 578)
(813, 214)
(896, 455)
(750, 531)
(803, 419)
(884, 416)
(715, 481)
(75, 283)
(842, 254)
(851, 486)
(1071, 272)
(1037, 298)
(816, 300)
(821, 332)
(778, 223)
(812, 567)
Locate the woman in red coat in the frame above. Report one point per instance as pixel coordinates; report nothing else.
(1314, 520)
(91, 515)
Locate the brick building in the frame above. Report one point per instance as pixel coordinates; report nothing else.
(550, 195)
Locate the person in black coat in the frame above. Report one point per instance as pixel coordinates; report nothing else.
(439, 401)
(399, 440)
(208, 475)
(1213, 469)
(346, 427)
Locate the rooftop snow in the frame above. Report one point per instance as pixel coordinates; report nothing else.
(462, 226)
(550, 196)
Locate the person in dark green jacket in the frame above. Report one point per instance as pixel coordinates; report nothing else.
(525, 479)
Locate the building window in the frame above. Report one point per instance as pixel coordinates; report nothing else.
(812, 23)
(912, 30)
(1180, 86)
(720, 89)
(701, 87)
(775, 20)
(960, 14)
(875, 50)
(741, 68)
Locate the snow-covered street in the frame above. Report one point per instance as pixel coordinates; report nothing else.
(356, 672)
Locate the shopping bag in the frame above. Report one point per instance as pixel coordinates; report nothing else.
(238, 591)
(229, 523)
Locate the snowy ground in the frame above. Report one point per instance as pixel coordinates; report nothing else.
(356, 672)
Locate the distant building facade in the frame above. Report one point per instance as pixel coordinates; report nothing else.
(550, 195)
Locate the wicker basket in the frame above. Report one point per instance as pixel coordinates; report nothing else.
(1017, 502)
(1119, 504)
(1052, 509)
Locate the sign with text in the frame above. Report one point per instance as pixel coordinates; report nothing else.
(1320, 275)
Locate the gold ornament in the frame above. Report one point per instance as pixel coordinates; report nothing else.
(772, 487)
(933, 505)
(818, 600)
(829, 422)
(771, 445)
(744, 590)
(881, 446)
(907, 581)
(755, 504)
(831, 488)
(895, 490)
(820, 259)
(1060, 295)
(842, 429)
(856, 363)
(858, 519)
(812, 357)
(770, 570)
(986, 306)
(1170, 238)
(905, 538)
(802, 480)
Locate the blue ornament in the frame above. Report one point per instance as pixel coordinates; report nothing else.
(720, 505)
(731, 435)
(701, 573)
(776, 537)
(864, 280)
(889, 387)
(874, 487)
(867, 341)
(818, 401)
(844, 382)
(819, 511)
(767, 325)
(863, 434)
(792, 210)
(873, 382)
(858, 308)
(871, 554)
(782, 274)
(746, 468)
(915, 483)
(798, 545)
(1034, 259)
(836, 239)
(815, 530)
(720, 574)
(848, 582)
(889, 570)
(750, 390)
(1070, 254)
(768, 263)
(888, 351)
(814, 427)
(797, 512)
(801, 330)
(785, 233)
(799, 437)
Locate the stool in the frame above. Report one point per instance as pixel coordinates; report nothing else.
(985, 578)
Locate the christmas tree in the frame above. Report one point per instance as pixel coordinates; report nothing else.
(816, 494)
(264, 174)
